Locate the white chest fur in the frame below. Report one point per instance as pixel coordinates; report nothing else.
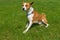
(30, 16)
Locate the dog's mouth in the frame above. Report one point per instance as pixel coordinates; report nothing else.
(24, 9)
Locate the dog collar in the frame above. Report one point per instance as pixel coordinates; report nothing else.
(29, 14)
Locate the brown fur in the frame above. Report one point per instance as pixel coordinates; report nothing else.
(39, 17)
(27, 5)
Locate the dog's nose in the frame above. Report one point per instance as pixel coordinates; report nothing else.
(23, 8)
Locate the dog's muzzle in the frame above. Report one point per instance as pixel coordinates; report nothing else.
(23, 9)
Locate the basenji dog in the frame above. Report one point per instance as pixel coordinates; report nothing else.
(33, 16)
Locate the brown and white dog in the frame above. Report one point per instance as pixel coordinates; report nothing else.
(33, 16)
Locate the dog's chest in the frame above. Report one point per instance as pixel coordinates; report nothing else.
(30, 17)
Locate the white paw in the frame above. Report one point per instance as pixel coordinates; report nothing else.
(47, 25)
(24, 32)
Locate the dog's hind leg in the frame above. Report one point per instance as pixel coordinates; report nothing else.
(44, 21)
(40, 23)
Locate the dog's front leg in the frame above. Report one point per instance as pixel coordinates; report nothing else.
(30, 24)
(27, 24)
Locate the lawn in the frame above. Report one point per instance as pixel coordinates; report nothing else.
(13, 20)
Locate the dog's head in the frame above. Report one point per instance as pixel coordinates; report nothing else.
(26, 6)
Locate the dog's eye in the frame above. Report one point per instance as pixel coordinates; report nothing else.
(26, 5)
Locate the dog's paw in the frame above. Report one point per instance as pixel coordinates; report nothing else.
(24, 32)
(47, 25)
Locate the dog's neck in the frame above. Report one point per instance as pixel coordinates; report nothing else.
(30, 11)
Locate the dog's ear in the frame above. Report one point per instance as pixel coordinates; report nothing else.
(31, 3)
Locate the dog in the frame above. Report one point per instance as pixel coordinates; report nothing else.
(33, 16)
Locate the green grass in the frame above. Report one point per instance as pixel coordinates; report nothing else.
(13, 20)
